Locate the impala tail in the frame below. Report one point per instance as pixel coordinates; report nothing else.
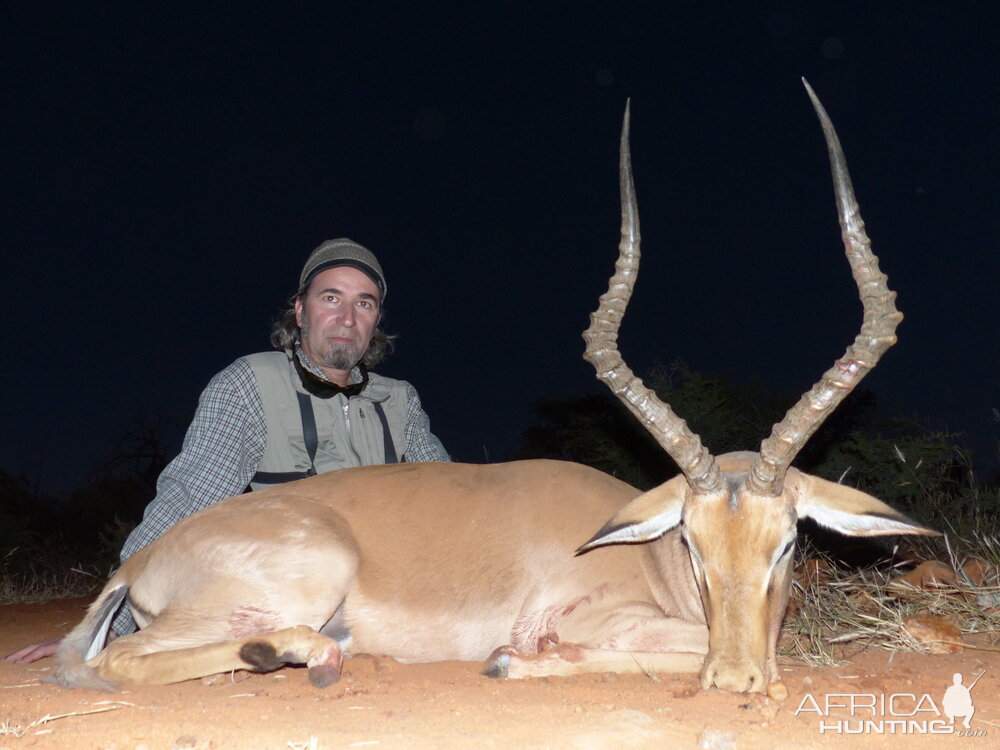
(86, 640)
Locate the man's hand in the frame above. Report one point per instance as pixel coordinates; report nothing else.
(34, 652)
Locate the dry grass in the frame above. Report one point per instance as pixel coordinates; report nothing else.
(17, 730)
(840, 613)
(40, 582)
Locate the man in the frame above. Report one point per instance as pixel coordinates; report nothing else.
(311, 407)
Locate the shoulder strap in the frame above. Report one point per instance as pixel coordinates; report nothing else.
(311, 441)
(390, 449)
(308, 430)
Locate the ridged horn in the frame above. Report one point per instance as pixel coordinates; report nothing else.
(669, 430)
(878, 333)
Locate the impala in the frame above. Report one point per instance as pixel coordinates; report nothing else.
(427, 562)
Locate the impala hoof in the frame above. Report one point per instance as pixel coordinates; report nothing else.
(498, 665)
(323, 675)
(324, 670)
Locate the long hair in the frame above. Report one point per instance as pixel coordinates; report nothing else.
(285, 332)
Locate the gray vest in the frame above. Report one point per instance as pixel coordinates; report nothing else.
(349, 431)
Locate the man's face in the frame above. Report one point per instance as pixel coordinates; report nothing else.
(337, 315)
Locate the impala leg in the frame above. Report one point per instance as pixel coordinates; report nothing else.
(570, 658)
(140, 658)
(625, 643)
(298, 645)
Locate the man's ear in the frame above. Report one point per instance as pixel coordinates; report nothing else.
(298, 311)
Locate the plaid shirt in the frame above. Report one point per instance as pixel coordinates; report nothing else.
(221, 452)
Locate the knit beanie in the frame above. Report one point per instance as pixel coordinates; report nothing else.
(343, 252)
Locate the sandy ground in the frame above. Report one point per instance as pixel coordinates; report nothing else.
(380, 703)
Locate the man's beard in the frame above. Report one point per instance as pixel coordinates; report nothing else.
(340, 356)
(336, 356)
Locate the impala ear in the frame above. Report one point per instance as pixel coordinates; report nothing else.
(847, 510)
(648, 516)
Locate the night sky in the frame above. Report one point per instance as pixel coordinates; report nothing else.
(167, 171)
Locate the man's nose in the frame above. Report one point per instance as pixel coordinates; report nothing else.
(347, 316)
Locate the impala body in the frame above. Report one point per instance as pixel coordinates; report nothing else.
(426, 562)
